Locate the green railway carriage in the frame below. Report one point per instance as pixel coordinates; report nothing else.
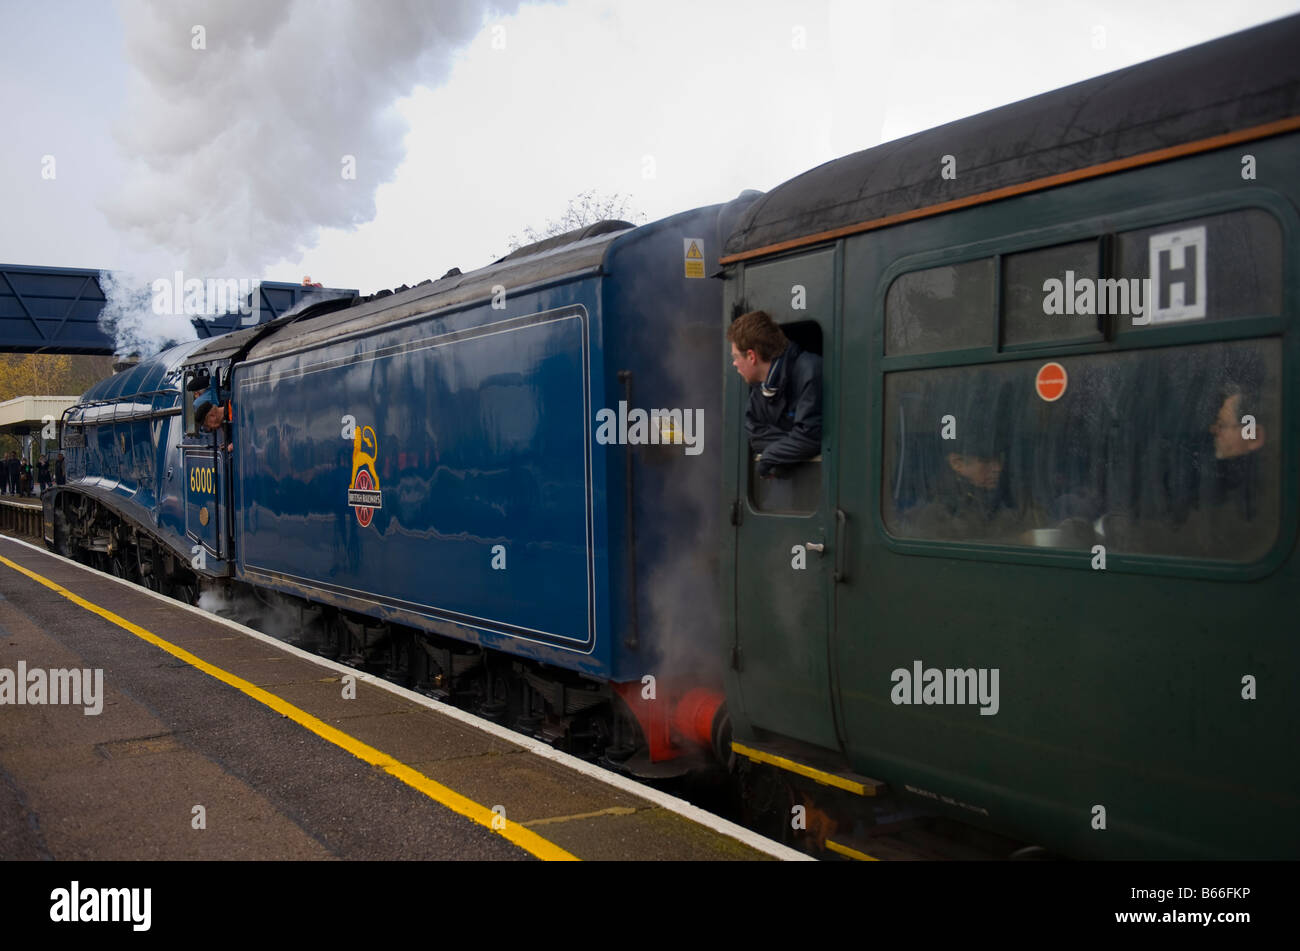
(1057, 590)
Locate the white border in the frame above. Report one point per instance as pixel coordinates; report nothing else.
(673, 804)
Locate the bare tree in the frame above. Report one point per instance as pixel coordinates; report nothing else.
(584, 209)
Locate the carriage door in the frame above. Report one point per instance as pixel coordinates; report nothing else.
(784, 553)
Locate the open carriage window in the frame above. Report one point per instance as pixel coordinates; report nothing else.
(798, 489)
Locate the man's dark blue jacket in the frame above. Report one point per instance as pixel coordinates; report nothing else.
(787, 426)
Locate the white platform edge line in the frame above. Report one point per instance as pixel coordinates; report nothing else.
(658, 797)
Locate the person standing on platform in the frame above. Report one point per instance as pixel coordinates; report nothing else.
(43, 473)
(60, 471)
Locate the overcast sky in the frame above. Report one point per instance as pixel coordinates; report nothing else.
(468, 121)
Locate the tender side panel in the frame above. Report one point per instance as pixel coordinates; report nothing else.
(447, 474)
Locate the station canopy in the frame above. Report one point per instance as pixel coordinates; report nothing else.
(25, 415)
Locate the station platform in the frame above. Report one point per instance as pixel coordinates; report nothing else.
(22, 515)
(214, 741)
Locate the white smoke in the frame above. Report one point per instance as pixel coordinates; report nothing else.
(269, 614)
(129, 317)
(252, 124)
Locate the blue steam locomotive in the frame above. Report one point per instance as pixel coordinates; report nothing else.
(499, 486)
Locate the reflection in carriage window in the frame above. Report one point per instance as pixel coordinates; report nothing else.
(1172, 451)
(1024, 314)
(941, 308)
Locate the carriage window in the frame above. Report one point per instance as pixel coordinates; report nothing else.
(1226, 265)
(797, 490)
(1171, 452)
(941, 308)
(1040, 289)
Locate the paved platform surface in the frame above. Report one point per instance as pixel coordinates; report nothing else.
(282, 765)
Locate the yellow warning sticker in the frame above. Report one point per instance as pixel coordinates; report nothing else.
(694, 248)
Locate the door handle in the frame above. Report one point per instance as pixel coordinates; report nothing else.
(841, 523)
(814, 546)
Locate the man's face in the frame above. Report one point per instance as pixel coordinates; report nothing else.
(746, 365)
(977, 470)
(1227, 431)
(212, 420)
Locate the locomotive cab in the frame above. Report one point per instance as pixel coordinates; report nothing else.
(206, 451)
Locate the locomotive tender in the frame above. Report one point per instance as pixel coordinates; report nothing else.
(1040, 579)
(513, 460)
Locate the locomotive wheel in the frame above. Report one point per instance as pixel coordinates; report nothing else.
(626, 735)
(768, 803)
(496, 706)
(148, 578)
(722, 740)
(332, 635)
(186, 592)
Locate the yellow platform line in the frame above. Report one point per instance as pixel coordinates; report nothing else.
(525, 838)
(851, 853)
(820, 775)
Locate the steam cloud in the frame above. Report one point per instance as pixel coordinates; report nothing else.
(275, 617)
(128, 315)
(237, 151)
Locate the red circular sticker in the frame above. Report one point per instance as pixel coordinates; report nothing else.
(364, 482)
(1051, 382)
